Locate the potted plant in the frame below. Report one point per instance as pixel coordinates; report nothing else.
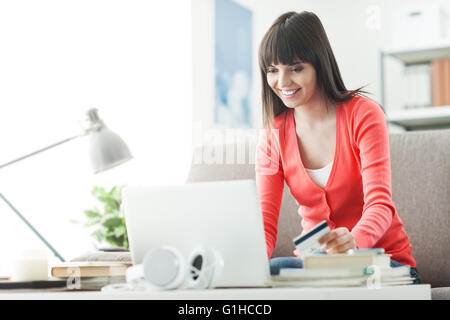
(108, 223)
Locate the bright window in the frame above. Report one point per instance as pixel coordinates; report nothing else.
(129, 59)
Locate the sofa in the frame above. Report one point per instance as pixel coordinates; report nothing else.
(420, 164)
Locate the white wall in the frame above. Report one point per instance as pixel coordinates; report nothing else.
(131, 60)
(203, 61)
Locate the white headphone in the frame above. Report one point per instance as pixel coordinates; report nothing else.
(165, 268)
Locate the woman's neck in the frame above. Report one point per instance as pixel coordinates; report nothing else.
(316, 113)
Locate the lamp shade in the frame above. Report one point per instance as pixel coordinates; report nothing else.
(107, 150)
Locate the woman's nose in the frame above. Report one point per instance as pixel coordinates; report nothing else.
(284, 80)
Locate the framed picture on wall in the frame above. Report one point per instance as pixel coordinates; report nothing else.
(233, 64)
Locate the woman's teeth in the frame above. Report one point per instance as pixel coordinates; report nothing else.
(288, 93)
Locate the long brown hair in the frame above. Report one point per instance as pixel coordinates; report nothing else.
(300, 36)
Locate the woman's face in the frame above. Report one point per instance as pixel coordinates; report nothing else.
(295, 84)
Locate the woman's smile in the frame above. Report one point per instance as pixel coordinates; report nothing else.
(289, 94)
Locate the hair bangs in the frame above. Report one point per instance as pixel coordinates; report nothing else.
(282, 46)
(276, 48)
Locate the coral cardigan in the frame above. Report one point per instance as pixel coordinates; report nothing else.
(358, 192)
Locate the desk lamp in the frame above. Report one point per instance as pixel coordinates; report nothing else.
(106, 150)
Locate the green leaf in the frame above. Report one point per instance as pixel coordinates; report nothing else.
(113, 240)
(111, 204)
(99, 235)
(116, 194)
(99, 192)
(113, 191)
(119, 231)
(92, 214)
(92, 223)
(112, 222)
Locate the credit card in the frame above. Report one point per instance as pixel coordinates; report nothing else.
(308, 243)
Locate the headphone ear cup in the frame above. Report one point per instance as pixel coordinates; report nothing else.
(196, 264)
(165, 268)
(205, 268)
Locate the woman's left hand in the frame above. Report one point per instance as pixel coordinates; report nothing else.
(338, 240)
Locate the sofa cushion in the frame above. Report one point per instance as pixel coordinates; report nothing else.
(440, 293)
(420, 162)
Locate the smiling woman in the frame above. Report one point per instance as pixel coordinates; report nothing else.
(329, 144)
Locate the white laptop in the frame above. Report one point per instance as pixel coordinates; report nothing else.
(224, 215)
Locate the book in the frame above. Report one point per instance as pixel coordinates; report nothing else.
(343, 277)
(446, 82)
(90, 269)
(441, 82)
(299, 274)
(302, 274)
(342, 282)
(345, 260)
(424, 85)
(332, 282)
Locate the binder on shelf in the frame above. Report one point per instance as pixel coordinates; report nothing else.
(446, 82)
(441, 82)
(417, 86)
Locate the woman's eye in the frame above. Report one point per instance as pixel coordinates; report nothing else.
(298, 69)
(271, 71)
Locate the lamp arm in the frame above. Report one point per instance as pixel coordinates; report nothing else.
(94, 126)
(56, 253)
(47, 148)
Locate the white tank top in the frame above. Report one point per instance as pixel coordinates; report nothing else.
(320, 176)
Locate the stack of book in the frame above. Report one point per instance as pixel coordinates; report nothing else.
(90, 275)
(365, 268)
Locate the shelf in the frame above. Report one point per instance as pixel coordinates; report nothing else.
(421, 117)
(420, 54)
